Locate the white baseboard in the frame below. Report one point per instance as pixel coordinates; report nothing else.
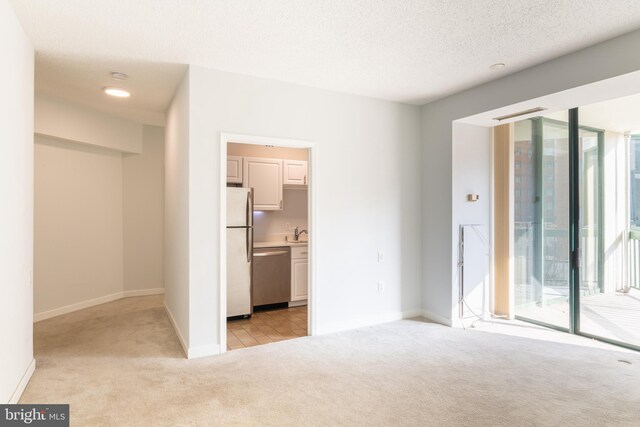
(93, 302)
(15, 398)
(416, 312)
(383, 318)
(143, 292)
(297, 303)
(362, 322)
(437, 318)
(194, 352)
(203, 351)
(185, 348)
(75, 307)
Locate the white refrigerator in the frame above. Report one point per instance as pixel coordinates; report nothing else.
(239, 251)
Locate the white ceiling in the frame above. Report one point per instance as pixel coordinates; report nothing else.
(410, 51)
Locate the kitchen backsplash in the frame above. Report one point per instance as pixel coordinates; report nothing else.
(270, 226)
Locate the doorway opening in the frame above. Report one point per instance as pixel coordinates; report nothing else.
(266, 255)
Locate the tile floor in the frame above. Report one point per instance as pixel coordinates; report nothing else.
(267, 326)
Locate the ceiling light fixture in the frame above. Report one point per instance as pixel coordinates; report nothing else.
(498, 66)
(114, 91)
(118, 75)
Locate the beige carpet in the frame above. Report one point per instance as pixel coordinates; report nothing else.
(121, 364)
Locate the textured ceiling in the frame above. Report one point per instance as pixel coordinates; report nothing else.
(411, 51)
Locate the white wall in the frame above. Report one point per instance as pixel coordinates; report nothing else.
(143, 219)
(271, 226)
(16, 206)
(176, 212)
(368, 194)
(74, 122)
(78, 223)
(602, 61)
(472, 148)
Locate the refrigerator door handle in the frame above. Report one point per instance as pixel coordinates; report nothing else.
(250, 208)
(250, 225)
(249, 232)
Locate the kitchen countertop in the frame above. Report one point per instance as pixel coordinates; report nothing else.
(258, 245)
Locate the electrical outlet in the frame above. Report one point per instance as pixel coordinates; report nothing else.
(287, 226)
(380, 287)
(380, 257)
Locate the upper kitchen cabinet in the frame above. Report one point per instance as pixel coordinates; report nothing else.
(295, 173)
(234, 170)
(265, 177)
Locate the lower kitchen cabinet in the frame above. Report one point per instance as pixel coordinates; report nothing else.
(299, 274)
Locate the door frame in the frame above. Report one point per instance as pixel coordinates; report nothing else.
(312, 147)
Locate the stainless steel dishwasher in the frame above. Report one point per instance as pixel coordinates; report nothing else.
(271, 276)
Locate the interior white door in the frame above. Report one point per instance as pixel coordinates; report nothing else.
(265, 177)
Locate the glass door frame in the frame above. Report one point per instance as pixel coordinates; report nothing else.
(575, 255)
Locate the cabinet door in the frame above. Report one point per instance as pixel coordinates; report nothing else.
(234, 170)
(299, 277)
(295, 172)
(265, 177)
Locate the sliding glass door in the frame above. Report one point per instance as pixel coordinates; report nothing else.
(576, 229)
(541, 221)
(608, 306)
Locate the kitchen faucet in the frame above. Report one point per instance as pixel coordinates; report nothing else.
(296, 233)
